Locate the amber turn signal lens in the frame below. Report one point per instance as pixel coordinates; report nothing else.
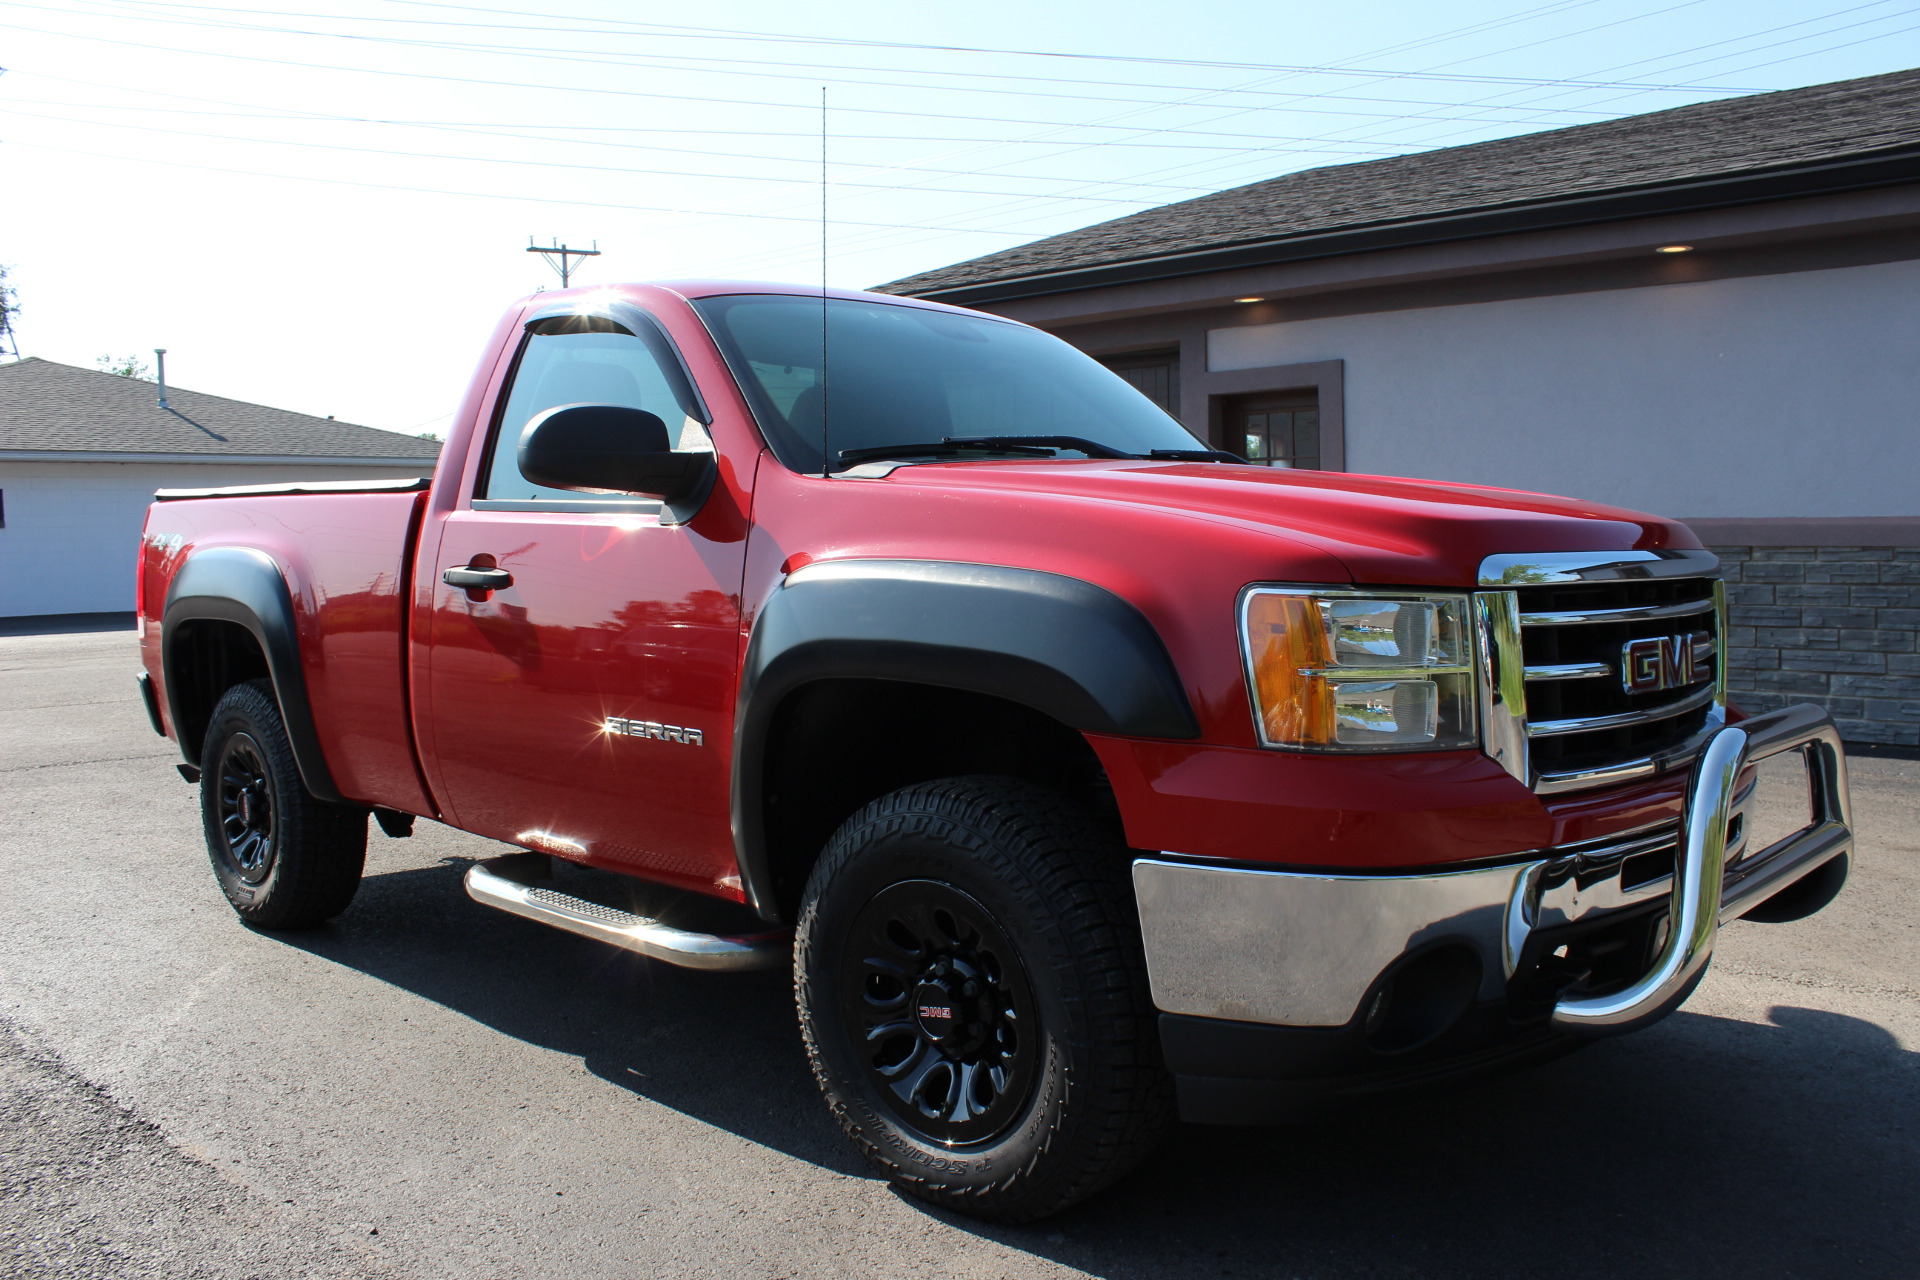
(1286, 639)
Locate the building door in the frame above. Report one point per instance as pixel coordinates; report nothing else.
(1276, 428)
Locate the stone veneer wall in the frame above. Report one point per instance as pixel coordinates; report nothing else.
(1832, 625)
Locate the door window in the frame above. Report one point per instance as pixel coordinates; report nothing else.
(577, 366)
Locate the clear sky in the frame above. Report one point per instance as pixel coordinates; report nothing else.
(324, 204)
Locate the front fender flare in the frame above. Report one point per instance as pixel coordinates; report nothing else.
(245, 586)
(1069, 649)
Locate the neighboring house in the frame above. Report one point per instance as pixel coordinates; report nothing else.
(81, 453)
(1711, 312)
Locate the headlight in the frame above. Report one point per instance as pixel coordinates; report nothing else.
(1359, 671)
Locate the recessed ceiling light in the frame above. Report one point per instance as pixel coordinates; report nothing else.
(1249, 299)
(1674, 248)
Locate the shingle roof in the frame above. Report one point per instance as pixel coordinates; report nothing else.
(1770, 132)
(58, 408)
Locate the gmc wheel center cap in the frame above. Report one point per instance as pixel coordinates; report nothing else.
(937, 1012)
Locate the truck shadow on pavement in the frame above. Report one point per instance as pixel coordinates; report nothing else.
(1705, 1146)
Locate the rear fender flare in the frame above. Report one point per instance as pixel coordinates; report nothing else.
(245, 586)
(1067, 648)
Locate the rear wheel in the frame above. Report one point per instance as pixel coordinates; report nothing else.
(284, 859)
(974, 999)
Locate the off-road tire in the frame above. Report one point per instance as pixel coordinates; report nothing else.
(1055, 882)
(301, 864)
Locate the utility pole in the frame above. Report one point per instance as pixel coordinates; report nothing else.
(564, 256)
(8, 305)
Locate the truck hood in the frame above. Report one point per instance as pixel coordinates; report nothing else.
(1383, 529)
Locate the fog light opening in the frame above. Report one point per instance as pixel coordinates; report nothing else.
(1421, 998)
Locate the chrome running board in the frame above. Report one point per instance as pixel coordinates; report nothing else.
(770, 950)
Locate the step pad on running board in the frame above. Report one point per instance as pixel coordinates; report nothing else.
(485, 884)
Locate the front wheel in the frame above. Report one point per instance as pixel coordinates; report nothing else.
(974, 1000)
(283, 858)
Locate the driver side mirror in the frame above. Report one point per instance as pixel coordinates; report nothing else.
(610, 448)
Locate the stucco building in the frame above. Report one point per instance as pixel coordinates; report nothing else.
(1711, 312)
(81, 453)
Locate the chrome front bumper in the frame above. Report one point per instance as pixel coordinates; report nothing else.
(1309, 949)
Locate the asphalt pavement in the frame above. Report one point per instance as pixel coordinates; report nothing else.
(430, 1088)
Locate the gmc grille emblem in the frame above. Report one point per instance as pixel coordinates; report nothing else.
(1664, 662)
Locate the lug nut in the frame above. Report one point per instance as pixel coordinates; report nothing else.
(971, 989)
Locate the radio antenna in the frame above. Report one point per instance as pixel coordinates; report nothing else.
(826, 455)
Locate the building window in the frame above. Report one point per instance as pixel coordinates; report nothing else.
(1276, 428)
(1154, 374)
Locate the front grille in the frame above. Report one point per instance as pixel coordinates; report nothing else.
(1655, 721)
(1569, 628)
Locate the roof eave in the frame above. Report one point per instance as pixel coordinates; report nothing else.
(256, 459)
(1892, 166)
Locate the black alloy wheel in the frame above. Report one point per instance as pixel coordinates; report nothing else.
(244, 800)
(936, 994)
(973, 996)
(284, 859)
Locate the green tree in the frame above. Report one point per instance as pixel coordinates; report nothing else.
(125, 367)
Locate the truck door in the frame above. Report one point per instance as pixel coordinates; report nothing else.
(584, 706)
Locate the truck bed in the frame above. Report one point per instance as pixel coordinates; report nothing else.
(346, 552)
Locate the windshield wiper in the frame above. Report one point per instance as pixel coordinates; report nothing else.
(1193, 455)
(1094, 449)
(944, 448)
(1027, 447)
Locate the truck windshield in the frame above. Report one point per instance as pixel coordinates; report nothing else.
(901, 376)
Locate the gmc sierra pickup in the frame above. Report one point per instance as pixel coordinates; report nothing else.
(1085, 776)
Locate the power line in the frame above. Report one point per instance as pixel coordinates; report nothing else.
(1514, 86)
(658, 61)
(491, 195)
(714, 33)
(492, 128)
(1741, 39)
(705, 63)
(1052, 125)
(628, 171)
(587, 89)
(1063, 126)
(1188, 169)
(878, 238)
(1070, 149)
(627, 147)
(1431, 139)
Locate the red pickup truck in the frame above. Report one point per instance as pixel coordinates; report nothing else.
(1084, 775)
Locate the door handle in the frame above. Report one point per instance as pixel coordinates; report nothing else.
(477, 579)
